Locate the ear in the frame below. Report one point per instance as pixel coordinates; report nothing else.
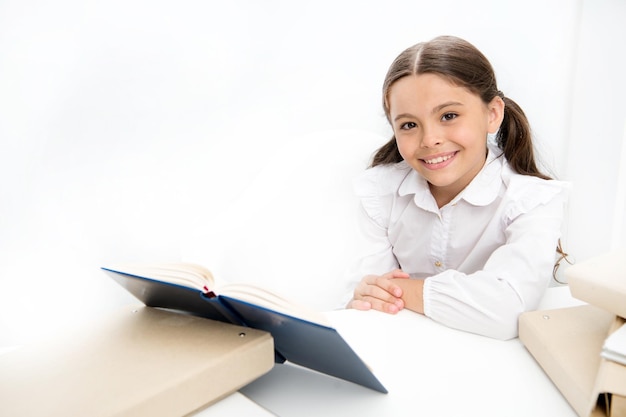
(495, 114)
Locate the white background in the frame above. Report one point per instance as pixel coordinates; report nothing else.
(128, 129)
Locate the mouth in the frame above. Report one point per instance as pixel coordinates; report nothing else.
(439, 160)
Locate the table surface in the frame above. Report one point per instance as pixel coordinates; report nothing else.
(429, 369)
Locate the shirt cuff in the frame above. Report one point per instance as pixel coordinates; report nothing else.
(426, 297)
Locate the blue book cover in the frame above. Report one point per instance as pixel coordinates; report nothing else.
(297, 339)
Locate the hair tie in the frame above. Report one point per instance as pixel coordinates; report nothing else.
(500, 94)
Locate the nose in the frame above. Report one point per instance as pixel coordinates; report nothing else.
(431, 137)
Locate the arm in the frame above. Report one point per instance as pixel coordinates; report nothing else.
(386, 288)
(370, 284)
(512, 281)
(389, 291)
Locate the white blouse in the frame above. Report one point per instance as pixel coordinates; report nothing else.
(488, 254)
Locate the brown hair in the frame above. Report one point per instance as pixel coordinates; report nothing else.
(464, 65)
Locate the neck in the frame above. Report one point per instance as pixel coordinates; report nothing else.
(442, 196)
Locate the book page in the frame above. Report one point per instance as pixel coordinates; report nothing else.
(184, 274)
(198, 277)
(272, 301)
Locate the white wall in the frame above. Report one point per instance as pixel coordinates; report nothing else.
(595, 153)
(127, 126)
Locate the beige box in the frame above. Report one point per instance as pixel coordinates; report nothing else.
(601, 281)
(567, 343)
(140, 361)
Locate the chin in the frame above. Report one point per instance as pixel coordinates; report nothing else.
(440, 183)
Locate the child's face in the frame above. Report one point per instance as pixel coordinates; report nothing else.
(441, 130)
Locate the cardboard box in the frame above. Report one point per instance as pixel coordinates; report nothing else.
(139, 361)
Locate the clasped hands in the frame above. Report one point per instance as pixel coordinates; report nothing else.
(390, 293)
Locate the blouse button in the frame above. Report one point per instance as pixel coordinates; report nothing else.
(438, 264)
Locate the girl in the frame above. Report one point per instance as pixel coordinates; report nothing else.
(459, 223)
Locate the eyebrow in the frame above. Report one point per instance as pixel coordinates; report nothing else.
(436, 109)
(446, 104)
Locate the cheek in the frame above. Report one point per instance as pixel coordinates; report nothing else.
(405, 146)
(470, 138)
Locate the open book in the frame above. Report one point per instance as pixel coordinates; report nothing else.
(301, 336)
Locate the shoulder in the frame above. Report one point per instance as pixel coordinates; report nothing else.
(381, 180)
(378, 187)
(524, 193)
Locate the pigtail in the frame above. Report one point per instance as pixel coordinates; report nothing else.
(387, 154)
(514, 138)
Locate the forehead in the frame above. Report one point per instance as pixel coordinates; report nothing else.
(426, 90)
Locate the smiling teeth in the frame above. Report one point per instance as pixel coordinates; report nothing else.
(438, 160)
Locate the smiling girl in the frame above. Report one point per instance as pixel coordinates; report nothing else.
(458, 222)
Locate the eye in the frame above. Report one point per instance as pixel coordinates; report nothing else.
(448, 116)
(408, 125)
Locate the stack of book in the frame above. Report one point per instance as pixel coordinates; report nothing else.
(583, 349)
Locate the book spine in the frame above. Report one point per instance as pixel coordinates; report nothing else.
(230, 314)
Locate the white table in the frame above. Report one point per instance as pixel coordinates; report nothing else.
(429, 370)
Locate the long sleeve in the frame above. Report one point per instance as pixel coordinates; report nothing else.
(512, 281)
(374, 251)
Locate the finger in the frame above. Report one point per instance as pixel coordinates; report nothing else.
(380, 290)
(379, 299)
(387, 285)
(375, 305)
(391, 308)
(360, 305)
